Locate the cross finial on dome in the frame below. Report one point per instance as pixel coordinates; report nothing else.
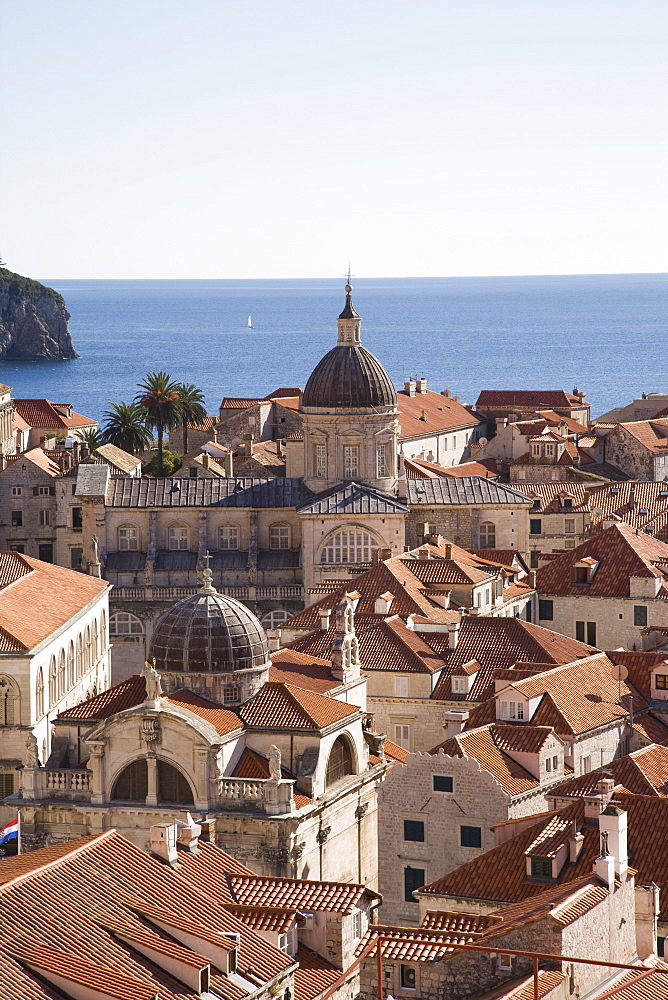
(207, 577)
(348, 276)
(347, 333)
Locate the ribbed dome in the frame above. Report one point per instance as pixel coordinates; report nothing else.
(349, 377)
(209, 633)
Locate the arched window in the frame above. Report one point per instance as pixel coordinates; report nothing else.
(274, 618)
(71, 676)
(39, 694)
(350, 545)
(487, 535)
(53, 682)
(103, 630)
(280, 536)
(62, 678)
(172, 785)
(9, 702)
(177, 537)
(87, 650)
(128, 538)
(228, 536)
(340, 761)
(123, 623)
(132, 783)
(96, 642)
(79, 657)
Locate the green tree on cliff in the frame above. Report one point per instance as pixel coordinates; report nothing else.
(193, 410)
(159, 396)
(126, 427)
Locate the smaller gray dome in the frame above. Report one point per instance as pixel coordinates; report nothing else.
(349, 377)
(209, 633)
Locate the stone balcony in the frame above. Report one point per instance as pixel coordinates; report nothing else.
(72, 785)
(241, 593)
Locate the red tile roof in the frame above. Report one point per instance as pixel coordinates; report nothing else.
(305, 895)
(223, 720)
(42, 413)
(621, 552)
(284, 706)
(429, 412)
(37, 598)
(482, 745)
(553, 399)
(643, 772)
(265, 918)
(118, 698)
(303, 670)
(314, 974)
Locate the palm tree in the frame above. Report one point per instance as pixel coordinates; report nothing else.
(91, 438)
(159, 396)
(193, 411)
(126, 427)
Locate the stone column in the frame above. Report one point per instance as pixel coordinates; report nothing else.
(151, 548)
(253, 548)
(202, 791)
(202, 546)
(152, 796)
(96, 765)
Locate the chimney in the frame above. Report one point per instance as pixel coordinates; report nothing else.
(647, 915)
(595, 802)
(604, 867)
(421, 385)
(248, 445)
(383, 603)
(410, 623)
(409, 386)
(454, 722)
(385, 554)
(324, 619)
(453, 634)
(163, 842)
(575, 842)
(612, 823)
(228, 464)
(448, 551)
(208, 826)
(274, 639)
(423, 553)
(205, 459)
(187, 831)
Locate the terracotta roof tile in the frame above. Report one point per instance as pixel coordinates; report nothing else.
(42, 413)
(118, 698)
(303, 670)
(643, 772)
(284, 706)
(313, 975)
(36, 598)
(265, 918)
(427, 412)
(480, 744)
(305, 895)
(223, 720)
(553, 399)
(523, 989)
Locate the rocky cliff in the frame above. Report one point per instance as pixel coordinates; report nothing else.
(33, 321)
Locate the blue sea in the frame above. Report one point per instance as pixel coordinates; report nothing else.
(604, 333)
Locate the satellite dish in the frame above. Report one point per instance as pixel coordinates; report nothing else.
(619, 672)
(597, 512)
(482, 440)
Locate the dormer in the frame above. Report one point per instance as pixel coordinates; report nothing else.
(383, 603)
(463, 677)
(584, 570)
(659, 680)
(646, 586)
(514, 706)
(567, 501)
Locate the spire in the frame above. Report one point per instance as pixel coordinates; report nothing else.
(349, 320)
(207, 577)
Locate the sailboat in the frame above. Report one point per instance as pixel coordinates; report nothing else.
(250, 323)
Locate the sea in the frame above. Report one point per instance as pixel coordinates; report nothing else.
(605, 334)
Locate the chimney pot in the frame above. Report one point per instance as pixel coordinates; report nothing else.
(324, 619)
(409, 386)
(274, 639)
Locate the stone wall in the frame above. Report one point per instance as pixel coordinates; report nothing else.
(461, 524)
(613, 616)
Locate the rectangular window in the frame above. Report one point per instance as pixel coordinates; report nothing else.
(76, 555)
(44, 491)
(228, 536)
(555, 762)
(6, 785)
(504, 962)
(580, 631)
(413, 879)
(661, 682)
(381, 465)
(408, 977)
(350, 461)
(283, 942)
(586, 765)
(402, 736)
(414, 830)
(591, 633)
(569, 543)
(192, 471)
(17, 491)
(321, 461)
(44, 518)
(569, 525)
(17, 519)
(548, 764)
(45, 552)
(279, 536)
(535, 526)
(640, 615)
(401, 687)
(442, 783)
(357, 925)
(17, 548)
(77, 518)
(541, 867)
(533, 556)
(546, 611)
(470, 836)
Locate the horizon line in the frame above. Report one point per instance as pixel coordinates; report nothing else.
(370, 277)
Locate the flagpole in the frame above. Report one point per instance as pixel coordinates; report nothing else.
(19, 845)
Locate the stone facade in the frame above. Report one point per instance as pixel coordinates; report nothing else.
(611, 621)
(461, 524)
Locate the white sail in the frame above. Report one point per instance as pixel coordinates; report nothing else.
(250, 323)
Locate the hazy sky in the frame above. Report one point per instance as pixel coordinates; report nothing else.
(283, 138)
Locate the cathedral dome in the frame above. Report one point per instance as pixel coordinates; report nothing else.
(209, 633)
(349, 377)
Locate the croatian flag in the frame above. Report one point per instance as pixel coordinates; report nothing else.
(9, 832)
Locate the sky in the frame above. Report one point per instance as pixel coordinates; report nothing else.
(287, 138)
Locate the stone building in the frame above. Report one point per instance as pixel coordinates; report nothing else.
(472, 512)
(517, 404)
(639, 448)
(98, 917)
(55, 653)
(7, 435)
(286, 773)
(608, 589)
